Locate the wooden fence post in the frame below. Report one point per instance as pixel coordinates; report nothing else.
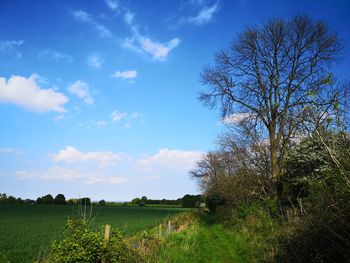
(107, 231)
(169, 227)
(160, 230)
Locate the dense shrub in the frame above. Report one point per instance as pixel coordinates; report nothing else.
(213, 201)
(323, 233)
(190, 201)
(82, 244)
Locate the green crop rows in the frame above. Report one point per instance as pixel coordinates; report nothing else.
(26, 231)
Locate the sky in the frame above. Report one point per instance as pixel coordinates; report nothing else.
(100, 98)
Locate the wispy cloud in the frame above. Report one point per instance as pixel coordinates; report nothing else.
(129, 74)
(113, 5)
(95, 61)
(84, 17)
(144, 45)
(125, 118)
(157, 50)
(170, 159)
(10, 44)
(27, 93)
(66, 174)
(129, 17)
(72, 155)
(237, 117)
(55, 55)
(101, 124)
(9, 150)
(204, 16)
(81, 89)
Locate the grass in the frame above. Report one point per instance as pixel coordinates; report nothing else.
(26, 231)
(202, 243)
(249, 235)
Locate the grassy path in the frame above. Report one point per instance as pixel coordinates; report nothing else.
(203, 243)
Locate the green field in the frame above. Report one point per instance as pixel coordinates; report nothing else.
(27, 230)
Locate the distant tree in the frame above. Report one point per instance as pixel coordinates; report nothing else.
(19, 201)
(271, 76)
(29, 201)
(38, 200)
(102, 202)
(60, 199)
(47, 200)
(11, 200)
(85, 201)
(72, 201)
(136, 201)
(190, 201)
(3, 198)
(144, 199)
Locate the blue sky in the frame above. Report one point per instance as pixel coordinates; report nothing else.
(99, 98)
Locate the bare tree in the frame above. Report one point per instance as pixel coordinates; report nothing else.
(272, 73)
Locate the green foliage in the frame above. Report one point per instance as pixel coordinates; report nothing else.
(190, 201)
(82, 244)
(60, 199)
(136, 201)
(213, 201)
(84, 201)
(102, 202)
(321, 233)
(47, 200)
(31, 234)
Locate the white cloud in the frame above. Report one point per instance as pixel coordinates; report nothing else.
(112, 4)
(129, 17)
(9, 150)
(101, 124)
(143, 45)
(125, 118)
(72, 155)
(105, 180)
(10, 44)
(58, 118)
(130, 74)
(55, 55)
(236, 117)
(170, 159)
(70, 175)
(81, 89)
(157, 50)
(118, 116)
(103, 31)
(82, 16)
(205, 15)
(95, 61)
(26, 93)
(85, 17)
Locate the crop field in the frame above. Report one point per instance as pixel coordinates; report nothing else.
(26, 231)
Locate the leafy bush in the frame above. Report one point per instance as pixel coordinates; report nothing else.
(260, 226)
(82, 244)
(213, 201)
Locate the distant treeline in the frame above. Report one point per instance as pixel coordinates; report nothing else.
(189, 201)
(48, 199)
